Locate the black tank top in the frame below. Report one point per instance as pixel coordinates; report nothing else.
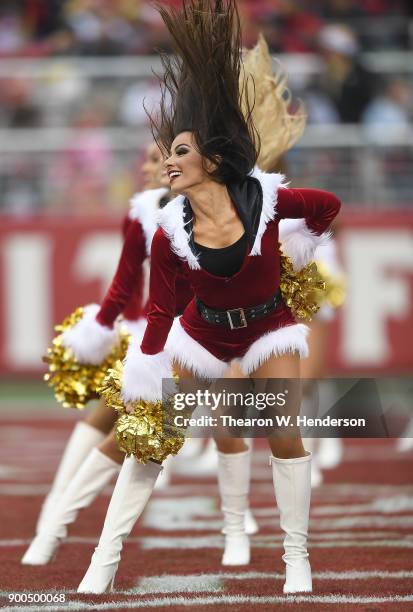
(222, 262)
(247, 197)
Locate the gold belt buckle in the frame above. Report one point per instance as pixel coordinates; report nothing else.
(241, 315)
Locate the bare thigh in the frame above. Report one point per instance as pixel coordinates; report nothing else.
(102, 417)
(189, 383)
(109, 447)
(281, 373)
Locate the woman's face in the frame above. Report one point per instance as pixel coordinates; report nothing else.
(152, 167)
(184, 165)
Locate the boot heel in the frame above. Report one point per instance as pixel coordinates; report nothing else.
(95, 581)
(110, 588)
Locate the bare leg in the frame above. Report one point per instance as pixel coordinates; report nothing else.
(109, 447)
(227, 444)
(101, 417)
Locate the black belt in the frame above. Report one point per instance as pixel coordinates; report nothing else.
(236, 318)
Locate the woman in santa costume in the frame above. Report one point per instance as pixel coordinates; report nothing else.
(278, 129)
(91, 457)
(82, 475)
(221, 232)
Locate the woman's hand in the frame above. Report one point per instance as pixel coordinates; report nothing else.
(130, 407)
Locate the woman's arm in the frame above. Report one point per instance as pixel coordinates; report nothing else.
(93, 337)
(128, 276)
(162, 297)
(313, 211)
(147, 365)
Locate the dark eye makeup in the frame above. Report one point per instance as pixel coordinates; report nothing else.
(181, 150)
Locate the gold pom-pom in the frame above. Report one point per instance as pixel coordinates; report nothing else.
(302, 291)
(335, 287)
(111, 386)
(74, 383)
(149, 431)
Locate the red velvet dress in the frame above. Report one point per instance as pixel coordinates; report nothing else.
(203, 346)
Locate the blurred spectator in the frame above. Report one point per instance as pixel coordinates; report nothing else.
(387, 167)
(101, 27)
(390, 28)
(113, 27)
(391, 109)
(344, 80)
(320, 109)
(11, 32)
(18, 107)
(291, 27)
(137, 97)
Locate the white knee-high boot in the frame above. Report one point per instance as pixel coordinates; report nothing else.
(292, 484)
(312, 445)
(233, 482)
(130, 496)
(93, 475)
(251, 525)
(84, 437)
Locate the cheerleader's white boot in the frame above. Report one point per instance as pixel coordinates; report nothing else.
(330, 453)
(251, 525)
(93, 475)
(84, 437)
(130, 496)
(233, 482)
(165, 476)
(292, 485)
(312, 445)
(405, 442)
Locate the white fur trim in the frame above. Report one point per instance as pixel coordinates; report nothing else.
(298, 242)
(90, 341)
(285, 340)
(143, 374)
(144, 208)
(171, 219)
(135, 328)
(270, 183)
(327, 255)
(191, 355)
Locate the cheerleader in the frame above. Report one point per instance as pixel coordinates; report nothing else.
(278, 130)
(91, 457)
(221, 232)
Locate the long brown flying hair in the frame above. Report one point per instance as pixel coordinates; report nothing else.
(200, 88)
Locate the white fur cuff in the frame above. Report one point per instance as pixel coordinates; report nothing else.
(143, 374)
(135, 328)
(90, 341)
(298, 242)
